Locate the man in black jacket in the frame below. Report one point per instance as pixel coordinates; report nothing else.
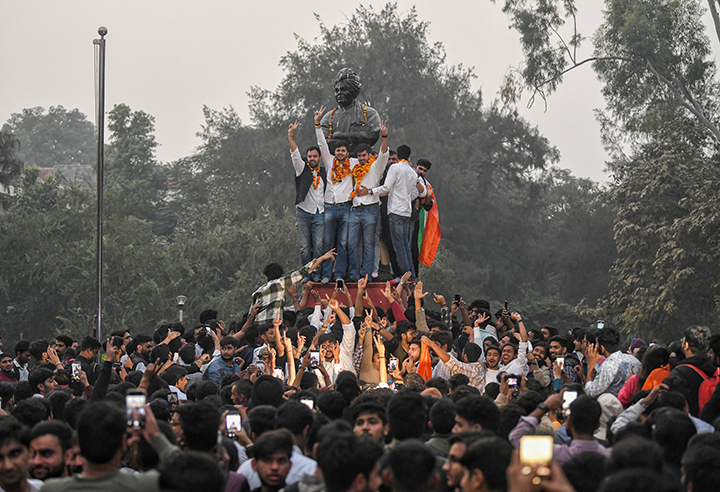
(695, 344)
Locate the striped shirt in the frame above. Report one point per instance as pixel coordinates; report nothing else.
(272, 294)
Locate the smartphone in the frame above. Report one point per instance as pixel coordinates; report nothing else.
(340, 284)
(536, 450)
(600, 324)
(233, 423)
(560, 359)
(506, 305)
(568, 398)
(75, 369)
(208, 331)
(392, 365)
(315, 358)
(512, 381)
(135, 409)
(172, 399)
(308, 403)
(457, 298)
(278, 373)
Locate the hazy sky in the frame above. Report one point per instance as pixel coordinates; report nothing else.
(171, 57)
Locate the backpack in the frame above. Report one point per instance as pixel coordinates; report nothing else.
(707, 387)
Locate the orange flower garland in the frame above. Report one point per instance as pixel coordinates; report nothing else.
(359, 172)
(340, 170)
(316, 177)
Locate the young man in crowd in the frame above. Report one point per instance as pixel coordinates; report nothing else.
(614, 371)
(22, 359)
(15, 458)
(51, 449)
(370, 421)
(272, 460)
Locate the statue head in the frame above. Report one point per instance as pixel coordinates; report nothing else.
(347, 87)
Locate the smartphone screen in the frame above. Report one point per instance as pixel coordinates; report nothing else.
(512, 381)
(568, 398)
(315, 357)
(340, 284)
(233, 423)
(536, 450)
(560, 359)
(76, 367)
(392, 366)
(308, 403)
(135, 408)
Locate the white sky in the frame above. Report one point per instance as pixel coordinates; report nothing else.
(170, 57)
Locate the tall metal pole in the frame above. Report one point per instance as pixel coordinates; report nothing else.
(100, 121)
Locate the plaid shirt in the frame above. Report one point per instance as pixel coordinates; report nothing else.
(473, 370)
(272, 294)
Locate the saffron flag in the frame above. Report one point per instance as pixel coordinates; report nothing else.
(424, 368)
(429, 232)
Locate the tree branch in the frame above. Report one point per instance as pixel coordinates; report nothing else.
(715, 17)
(686, 100)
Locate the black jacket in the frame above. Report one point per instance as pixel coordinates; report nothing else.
(693, 379)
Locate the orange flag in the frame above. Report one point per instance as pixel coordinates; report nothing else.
(430, 233)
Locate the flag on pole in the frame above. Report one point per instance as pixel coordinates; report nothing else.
(429, 232)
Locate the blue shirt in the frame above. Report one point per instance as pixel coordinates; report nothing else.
(218, 368)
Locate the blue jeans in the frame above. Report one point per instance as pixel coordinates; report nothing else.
(336, 236)
(400, 229)
(311, 231)
(361, 239)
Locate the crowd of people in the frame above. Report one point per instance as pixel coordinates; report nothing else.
(337, 394)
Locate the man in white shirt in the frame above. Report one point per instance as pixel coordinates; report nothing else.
(402, 187)
(309, 201)
(365, 211)
(338, 186)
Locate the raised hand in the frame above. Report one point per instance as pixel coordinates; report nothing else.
(318, 114)
(404, 279)
(362, 283)
(383, 129)
(419, 294)
(439, 299)
(292, 127)
(277, 322)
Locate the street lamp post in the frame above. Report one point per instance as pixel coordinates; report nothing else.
(181, 303)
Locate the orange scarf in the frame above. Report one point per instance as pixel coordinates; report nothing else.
(340, 170)
(359, 172)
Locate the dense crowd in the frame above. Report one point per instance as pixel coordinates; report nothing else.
(337, 394)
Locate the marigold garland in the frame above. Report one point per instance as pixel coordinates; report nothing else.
(340, 170)
(359, 172)
(316, 176)
(332, 115)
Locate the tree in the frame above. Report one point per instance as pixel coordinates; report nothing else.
(652, 55)
(10, 166)
(56, 138)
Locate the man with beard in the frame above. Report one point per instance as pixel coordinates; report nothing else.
(492, 364)
(458, 445)
(370, 421)
(15, 458)
(140, 356)
(309, 201)
(51, 449)
(226, 363)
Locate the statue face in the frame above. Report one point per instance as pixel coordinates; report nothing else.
(344, 94)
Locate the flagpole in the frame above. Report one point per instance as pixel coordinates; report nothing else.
(100, 122)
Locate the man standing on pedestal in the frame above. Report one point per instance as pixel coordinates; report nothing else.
(309, 201)
(402, 187)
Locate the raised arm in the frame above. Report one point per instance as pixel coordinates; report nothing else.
(420, 321)
(327, 157)
(441, 353)
(361, 284)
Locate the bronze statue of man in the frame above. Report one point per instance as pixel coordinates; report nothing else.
(351, 121)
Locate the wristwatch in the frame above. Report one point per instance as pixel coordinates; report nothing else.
(543, 406)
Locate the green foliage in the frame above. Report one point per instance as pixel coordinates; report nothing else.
(666, 275)
(57, 138)
(10, 166)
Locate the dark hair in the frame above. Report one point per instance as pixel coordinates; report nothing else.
(58, 398)
(636, 452)
(229, 341)
(585, 471)
(438, 383)
(30, 411)
(22, 346)
(189, 472)
(424, 163)
(57, 428)
(342, 456)
(639, 481)
(341, 143)
(293, 416)
(701, 466)
(442, 416)
(559, 339)
(207, 315)
(361, 406)
(187, 353)
(39, 376)
(412, 465)
(403, 152)
(363, 147)
(609, 338)
(403, 327)
(66, 339)
(73, 409)
(100, 428)
(141, 339)
(12, 430)
(654, 357)
(585, 414)
(490, 455)
(261, 419)
(315, 148)
(672, 430)
(472, 351)
(479, 410)
(90, 343)
(38, 347)
(173, 374)
(407, 415)
(7, 392)
(200, 422)
(273, 271)
(276, 441)
(442, 337)
(331, 404)
(457, 380)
